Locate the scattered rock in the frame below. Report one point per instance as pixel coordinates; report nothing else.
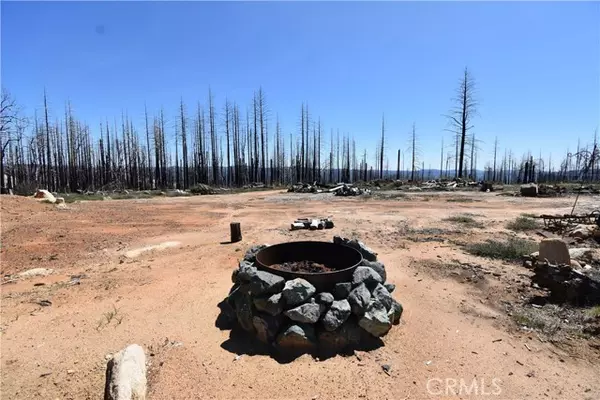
(44, 303)
(325, 298)
(337, 314)
(308, 313)
(555, 251)
(297, 338)
(366, 252)
(383, 296)
(342, 290)
(266, 283)
(366, 275)
(375, 320)
(390, 287)
(386, 368)
(297, 291)
(377, 267)
(126, 375)
(359, 299)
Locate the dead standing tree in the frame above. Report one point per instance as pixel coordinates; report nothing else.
(461, 116)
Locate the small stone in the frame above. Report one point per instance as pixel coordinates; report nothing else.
(297, 291)
(395, 312)
(377, 267)
(266, 283)
(342, 290)
(390, 287)
(337, 314)
(308, 313)
(325, 298)
(375, 320)
(297, 338)
(366, 275)
(70, 371)
(359, 299)
(382, 295)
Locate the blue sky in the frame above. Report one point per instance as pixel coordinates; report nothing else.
(537, 65)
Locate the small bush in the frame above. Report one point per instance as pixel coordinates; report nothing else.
(511, 250)
(593, 312)
(465, 220)
(521, 224)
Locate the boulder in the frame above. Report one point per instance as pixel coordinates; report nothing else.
(308, 313)
(377, 267)
(266, 283)
(366, 275)
(375, 320)
(126, 375)
(297, 338)
(555, 251)
(297, 291)
(390, 287)
(395, 312)
(359, 299)
(382, 295)
(252, 251)
(337, 314)
(266, 327)
(342, 290)
(529, 190)
(271, 305)
(245, 272)
(325, 298)
(366, 252)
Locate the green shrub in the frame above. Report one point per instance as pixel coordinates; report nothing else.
(511, 250)
(521, 224)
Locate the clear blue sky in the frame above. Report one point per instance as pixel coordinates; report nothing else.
(537, 65)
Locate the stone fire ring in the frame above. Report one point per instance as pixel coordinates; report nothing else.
(298, 312)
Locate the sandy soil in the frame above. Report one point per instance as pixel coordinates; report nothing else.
(110, 287)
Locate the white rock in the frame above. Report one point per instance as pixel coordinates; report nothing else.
(126, 375)
(36, 272)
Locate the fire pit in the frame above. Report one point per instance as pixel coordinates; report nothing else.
(311, 296)
(323, 264)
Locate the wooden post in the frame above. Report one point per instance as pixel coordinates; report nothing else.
(236, 232)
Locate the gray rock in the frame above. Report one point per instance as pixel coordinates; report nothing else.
(266, 283)
(297, 338)
(390, 287)
(243, 310)
(308, 313)
(252, 251)
(377, 267)
(271, 305)
(383, 296)
(366, 252)
(245, 272)
(366, 275)
(375, 320)
(359, 299)
(342, 290)
(395, 312)
(297, 291)
(325, 298)
(266, 327)
(337, 314)
(332, 342)
(351, 331)
(555, 251)
(126, 375)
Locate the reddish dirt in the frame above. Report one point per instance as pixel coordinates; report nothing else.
(303, 266)
(452, 331)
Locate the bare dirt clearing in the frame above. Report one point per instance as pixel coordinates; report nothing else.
(110, 287)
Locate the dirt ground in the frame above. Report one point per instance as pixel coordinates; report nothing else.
(110, 288)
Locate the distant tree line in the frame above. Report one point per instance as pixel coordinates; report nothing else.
(233, 146)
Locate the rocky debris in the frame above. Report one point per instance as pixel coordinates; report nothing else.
(312, 223)
(529, 190)
(308, 313)
(337, 314)
(266, 283)
(342, 290)
(366, 252)
(324, 298)
(366, 275)
(359, 299)
(349, 190)
(45, 196)
(555, 251)
(299, 338)
(252, 251)
(126, 375)
(377, 266)
(568, 285)
(266, 326)
(375, 320)
(272, 305)
(382, 295)
(390, 287)
(582, 254)
(297, 291)
(305, 188)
